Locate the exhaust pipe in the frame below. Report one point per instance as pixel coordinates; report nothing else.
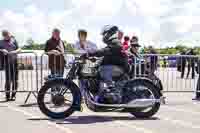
(138, 103)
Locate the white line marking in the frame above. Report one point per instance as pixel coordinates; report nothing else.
(136, 127)
(140, 129)
(64, 129)
(67, 130)
(182, 123)
(171, 120)
(182, 110)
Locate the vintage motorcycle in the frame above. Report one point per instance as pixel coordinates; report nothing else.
(138, 96)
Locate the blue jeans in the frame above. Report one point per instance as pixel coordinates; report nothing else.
(82, 86)
(106, 73)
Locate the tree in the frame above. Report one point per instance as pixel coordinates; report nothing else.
(32, 45)
(68, 47)
(30, 41)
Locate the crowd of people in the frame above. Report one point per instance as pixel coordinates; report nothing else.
(55, 48)
(189, 61)
(117, 44)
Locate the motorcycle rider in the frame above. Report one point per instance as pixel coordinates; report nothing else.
(114, 59)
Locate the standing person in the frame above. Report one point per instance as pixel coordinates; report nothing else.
(83, 46)
(164, 62)
(197, 97)
(191, 63)
(126, 43)
(137, 58)
(153, 59)
(182, 63)
(134, 49)
(55, 48)
(9, 48)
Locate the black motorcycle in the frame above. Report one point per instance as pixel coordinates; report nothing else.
(138, 96)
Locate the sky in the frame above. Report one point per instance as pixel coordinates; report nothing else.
(159, 23)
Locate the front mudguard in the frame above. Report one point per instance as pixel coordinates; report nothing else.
(77, 97)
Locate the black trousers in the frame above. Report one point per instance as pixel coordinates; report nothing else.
(198, 88)
(193, 70)
(11, 74)
(182, 69)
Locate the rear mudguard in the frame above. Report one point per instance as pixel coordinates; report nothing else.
(145, 80)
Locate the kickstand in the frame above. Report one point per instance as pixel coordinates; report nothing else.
(28, 96)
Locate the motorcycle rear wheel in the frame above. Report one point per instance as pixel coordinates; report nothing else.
(141, 113)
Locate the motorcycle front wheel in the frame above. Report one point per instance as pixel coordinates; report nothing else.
(56, 99)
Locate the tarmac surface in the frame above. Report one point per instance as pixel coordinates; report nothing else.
(179, 115)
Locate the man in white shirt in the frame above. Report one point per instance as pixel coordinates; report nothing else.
(83, 46)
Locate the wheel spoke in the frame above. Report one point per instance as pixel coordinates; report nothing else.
(63, 91)
(58, 98)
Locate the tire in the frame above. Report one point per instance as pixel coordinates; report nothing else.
(138, 113)
(54, 115)
(159, 86)
(158, 83)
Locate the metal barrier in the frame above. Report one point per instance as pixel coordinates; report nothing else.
(171, 69)
(24, 74)
(45, 70)
(166, 67)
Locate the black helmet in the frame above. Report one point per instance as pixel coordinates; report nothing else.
(109, 33)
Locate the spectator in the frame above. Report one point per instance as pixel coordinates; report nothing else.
(9, 48)
(182, 63)
(191, 63)
(153, 59)
(134, 46)
(137, 59)
(197, 97)
(83, 46)
(164, 62)
(126, 43)
(55, 49)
